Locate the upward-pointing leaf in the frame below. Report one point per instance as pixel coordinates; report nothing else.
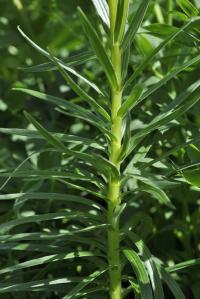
(122, 11)
(149, 58)
(98, 49)
(135, 23)
(183, 103)
(103, 10)
(79, 91)
(131, 100)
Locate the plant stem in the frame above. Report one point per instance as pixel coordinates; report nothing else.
(114, 197)
(169, 12)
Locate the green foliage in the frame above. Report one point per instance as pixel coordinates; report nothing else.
(100, 175)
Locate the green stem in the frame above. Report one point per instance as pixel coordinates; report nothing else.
(169, 12)
(114, 196)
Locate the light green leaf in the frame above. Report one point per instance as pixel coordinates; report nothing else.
(135, 23)
(121, 19)
(141, 273)
(102, 10)
(129, 103)
(99, 49)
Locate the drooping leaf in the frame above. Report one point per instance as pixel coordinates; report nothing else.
(46, 259)
(63, 137)
(68, 69)
(74, 60)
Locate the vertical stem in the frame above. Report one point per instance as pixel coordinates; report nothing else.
(169, 12)
(114, 197)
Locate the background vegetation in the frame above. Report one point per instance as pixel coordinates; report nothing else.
(172, 234)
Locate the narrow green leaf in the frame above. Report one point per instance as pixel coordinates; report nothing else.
(68, 69)
(102, 10)
(161, 46)
(149, 263)
(171, 151)
(63, 137)
(99, 49)
(79, 91)
(23, 197)
(171, 283)
(52, 236)
(39, 285)
(77, 110)
(135, 23)
(189, 9)
(49, 137)
(74, 60)
(168, 77)
(156, 192)
(7, 226)
(33, 247)
(126, 138)
(175, 109)
(86, 281)
(192, 176)
(121, 19)
(47, 259)
(183, 265)
(129, 103)
(141, 273)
